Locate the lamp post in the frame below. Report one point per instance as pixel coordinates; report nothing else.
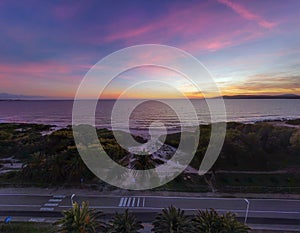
(247, 210)
(72, 201)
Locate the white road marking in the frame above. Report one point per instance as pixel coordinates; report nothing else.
(46, 209)
(129, 200)
(36, 220)
(51, 204)
(59, 196)
(125, 201)
(55, 200)
(121, 201)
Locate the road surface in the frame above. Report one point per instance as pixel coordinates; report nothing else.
(282, 212)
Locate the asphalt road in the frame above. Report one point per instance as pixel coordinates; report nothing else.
(261, 211)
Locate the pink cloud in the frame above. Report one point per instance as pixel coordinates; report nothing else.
(196, 28)
(178, 21)
(246, 14)
(223, 40)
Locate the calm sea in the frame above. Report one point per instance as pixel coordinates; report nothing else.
(59, 112)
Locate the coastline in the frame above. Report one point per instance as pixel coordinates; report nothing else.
(57, 126)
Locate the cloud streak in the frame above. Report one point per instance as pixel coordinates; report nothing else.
(49, 47)
(248, 15)
(265, 84)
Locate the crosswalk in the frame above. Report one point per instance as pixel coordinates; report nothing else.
(132, 202)
(53, 202)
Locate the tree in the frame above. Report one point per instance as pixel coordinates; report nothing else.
(80, 220)
(209, 221)
(231, 225)
(124, 223)
(172, 220)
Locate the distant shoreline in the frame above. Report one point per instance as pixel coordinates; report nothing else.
(39, 98)
(284, 122)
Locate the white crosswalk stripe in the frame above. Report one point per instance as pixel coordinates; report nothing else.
(121, 201)
(129, 200)
(46, 209)
(59, 196)
(125, 201)
(55, 200)
(132, 202)
(52, 202)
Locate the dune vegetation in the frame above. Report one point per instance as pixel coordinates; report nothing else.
(258, 157)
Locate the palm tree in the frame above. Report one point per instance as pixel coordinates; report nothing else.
(209, 221)
(124, 223)
(231, 225)
(80, 220)
(172, 220)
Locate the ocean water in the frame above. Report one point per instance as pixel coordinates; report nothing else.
(59, 112)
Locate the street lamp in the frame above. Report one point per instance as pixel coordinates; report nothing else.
(72, 196)
(247, 210)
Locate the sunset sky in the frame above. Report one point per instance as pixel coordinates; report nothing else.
(250, 47)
